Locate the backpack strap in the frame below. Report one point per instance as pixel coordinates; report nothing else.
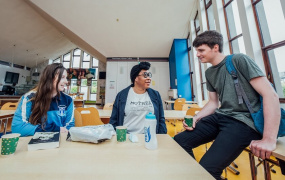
(239, 89)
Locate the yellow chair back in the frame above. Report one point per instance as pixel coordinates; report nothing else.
(89, 116)
(178, 104)
(185, 107)
(9, 106)
(192, 111)
(78, 119)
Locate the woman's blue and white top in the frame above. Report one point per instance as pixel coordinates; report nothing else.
(60, 114)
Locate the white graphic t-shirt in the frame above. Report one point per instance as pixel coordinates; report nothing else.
(137, 106)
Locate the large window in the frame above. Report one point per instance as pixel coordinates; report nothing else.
(73, 86)
(201, 66)
(81, 62)
(86, 60)
(210, 15)
(84, 88)
(93, 90)
(93, 93)
(66, 60)
(233, 26)
(271, 24)
(197, 24)
(57, 60)
(76, 58)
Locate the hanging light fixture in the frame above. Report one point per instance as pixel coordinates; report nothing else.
(36, 73)
(26, 59)
(36, 70)
(13, 56)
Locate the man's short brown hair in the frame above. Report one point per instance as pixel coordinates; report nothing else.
(210, 38)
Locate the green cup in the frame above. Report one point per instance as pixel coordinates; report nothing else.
(188, 120)
(9, 143)
(121, 133)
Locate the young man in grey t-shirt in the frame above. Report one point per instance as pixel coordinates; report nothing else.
(230, 125)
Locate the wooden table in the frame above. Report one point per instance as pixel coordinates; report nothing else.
(279, 152)
(172, 102)
(5, 115)
(168, 114)
(173, 114)
(108, 160)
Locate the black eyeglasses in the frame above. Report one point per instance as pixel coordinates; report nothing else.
(146, 74)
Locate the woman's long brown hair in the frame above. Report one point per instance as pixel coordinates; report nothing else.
(44, 92)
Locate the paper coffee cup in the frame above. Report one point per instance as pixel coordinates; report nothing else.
(121, 133)
(188, 120)
(9, 143)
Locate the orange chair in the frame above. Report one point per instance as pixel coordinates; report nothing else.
(178, 104)
(8, 106)
(89, 117)
(78, 118)
(185, 107)
(193, 111)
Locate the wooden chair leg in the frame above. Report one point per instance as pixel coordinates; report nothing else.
(252, 166)
(266, 166)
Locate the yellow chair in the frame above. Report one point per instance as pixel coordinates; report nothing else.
(8, 106)
(178, 104)
(78, 119)
(185, 107)
(193, 111)
(89, 116)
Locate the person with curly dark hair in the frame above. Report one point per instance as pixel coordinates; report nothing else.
(137, 100)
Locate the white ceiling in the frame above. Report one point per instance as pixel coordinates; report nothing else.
(23, 27)
(104, 28)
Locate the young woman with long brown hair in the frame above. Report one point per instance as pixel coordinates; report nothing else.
(45, 108)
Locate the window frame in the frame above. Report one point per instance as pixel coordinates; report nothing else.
(206, 10)
(197, 29)
(83, 60)
(56, 59)
(190, 67)
(227, 25)
(96, 75)
(63, 61)
(75, 55)
(265, 49)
